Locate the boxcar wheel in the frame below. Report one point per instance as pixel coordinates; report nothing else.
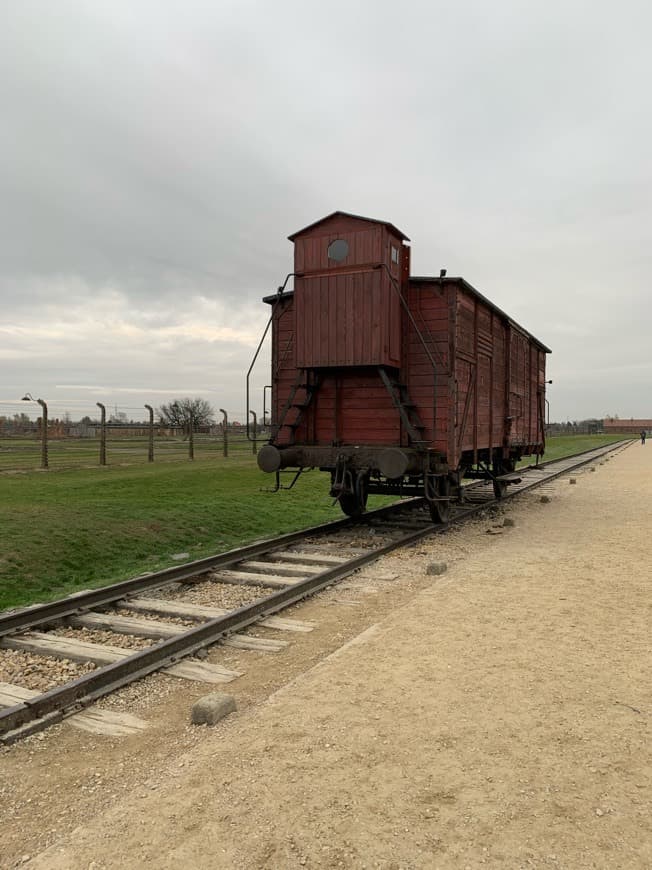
(440, 511)
(354, 503)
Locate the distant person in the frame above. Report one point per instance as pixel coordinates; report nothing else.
(642, 436)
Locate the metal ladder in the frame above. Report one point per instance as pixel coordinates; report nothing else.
(309, 386)
(405, 407)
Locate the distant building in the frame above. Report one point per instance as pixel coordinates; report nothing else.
(626, 427)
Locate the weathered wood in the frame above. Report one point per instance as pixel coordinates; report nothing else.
(108, 722)
(84, 651)
(249, 578)
(260, 644)
(93, 720)
(306, 558)
(185, 610)
(127, 625)
(284, 569)
(347, 551)
(152, 629)
(450, 330)
(66, 648)
(282, 624)
(202, 672)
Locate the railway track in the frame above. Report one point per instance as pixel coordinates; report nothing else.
(173, 633)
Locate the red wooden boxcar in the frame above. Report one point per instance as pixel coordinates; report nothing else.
(392, 383)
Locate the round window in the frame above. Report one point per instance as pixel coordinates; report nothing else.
(338, 250)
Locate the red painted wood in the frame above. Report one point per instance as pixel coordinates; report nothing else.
(348, 312)
(345, 319)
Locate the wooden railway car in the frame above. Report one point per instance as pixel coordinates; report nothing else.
(396, 384)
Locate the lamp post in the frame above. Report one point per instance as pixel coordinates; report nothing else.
(28, 397)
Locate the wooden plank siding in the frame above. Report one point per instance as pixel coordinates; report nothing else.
(496, 373)
(284, 369)
(347, 320)
(364, 241)
(362, 410)
(428, 337)
(479, 377)
(476, 379)
(519, 388)
(348, 312)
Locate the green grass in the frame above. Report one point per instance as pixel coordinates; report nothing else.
(69, 530)
(65, 530)
(24, 454)
(568, 445)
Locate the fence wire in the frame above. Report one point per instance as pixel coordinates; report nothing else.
(84, 447)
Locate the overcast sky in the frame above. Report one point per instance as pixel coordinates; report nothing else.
(155, 155)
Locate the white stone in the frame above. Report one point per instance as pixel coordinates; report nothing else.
(211, 708)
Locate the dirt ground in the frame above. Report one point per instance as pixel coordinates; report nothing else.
(497, 715)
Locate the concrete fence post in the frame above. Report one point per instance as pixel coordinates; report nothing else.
(150, 449)
(254, 446)
(102, 433)
(225, 431)
(44, 434)
(28, 397)
(191, 436)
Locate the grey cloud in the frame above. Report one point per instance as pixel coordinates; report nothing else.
(157, 154)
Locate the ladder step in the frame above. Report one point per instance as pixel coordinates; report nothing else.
(509, 478)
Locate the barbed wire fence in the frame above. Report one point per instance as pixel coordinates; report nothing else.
(37, 433)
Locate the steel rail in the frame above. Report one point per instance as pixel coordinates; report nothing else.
(64, 700)
(38, 614)
(566, 463)
(54, 705)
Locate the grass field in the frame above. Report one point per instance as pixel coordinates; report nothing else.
(568, 445)
(24, 454)
(65, 530)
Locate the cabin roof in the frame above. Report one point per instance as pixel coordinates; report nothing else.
(357, 217)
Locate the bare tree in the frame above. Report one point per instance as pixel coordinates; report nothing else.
(183, 412)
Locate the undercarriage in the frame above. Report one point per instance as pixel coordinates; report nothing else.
(359, 471)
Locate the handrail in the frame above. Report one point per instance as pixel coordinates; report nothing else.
(397, 290)
(407, 311)
(421, 339)
(279, 293)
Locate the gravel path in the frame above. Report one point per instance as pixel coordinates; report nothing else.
(499, 718)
